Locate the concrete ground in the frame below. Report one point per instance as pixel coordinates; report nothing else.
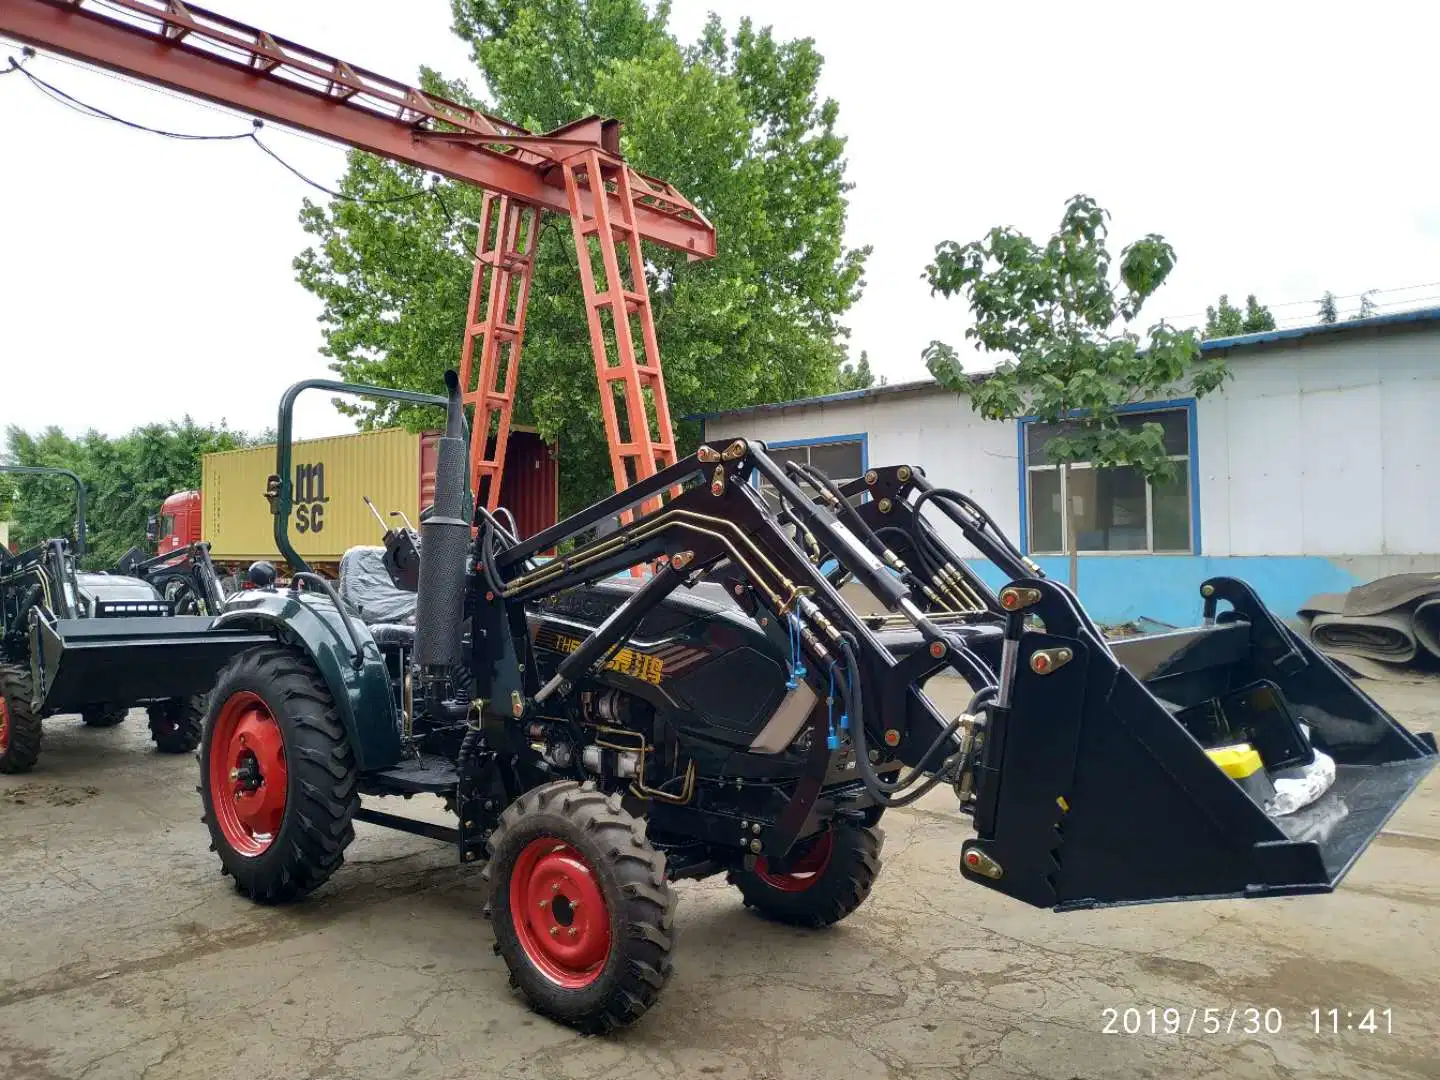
(124, 954)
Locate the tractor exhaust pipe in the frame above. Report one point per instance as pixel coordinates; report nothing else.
(444, 550)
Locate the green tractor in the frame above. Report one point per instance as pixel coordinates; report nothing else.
(100, 643)
(599, 735)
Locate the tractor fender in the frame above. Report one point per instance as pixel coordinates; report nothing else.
(362, 694)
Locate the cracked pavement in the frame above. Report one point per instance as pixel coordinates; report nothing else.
(124, 955)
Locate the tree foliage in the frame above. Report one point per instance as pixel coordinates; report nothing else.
(1328, 313)
(1226, 320)
(734, 121)
(126, 479)
(857, 376)
(1061, 327)
(1367, 308)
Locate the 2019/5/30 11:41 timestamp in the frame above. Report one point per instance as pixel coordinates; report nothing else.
(1335, 1021)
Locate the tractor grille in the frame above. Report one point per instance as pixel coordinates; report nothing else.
(125, 609)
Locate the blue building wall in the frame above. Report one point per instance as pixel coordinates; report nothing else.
(1166, 588)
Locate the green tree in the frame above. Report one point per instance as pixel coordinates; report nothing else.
(1061, 328)
(1328, 313)
(126, 480)
(1368, 307)
(857, 376)
(734, 121)
(1257, 317)
(1226, 320)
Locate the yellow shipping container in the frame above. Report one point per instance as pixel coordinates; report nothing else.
(330, 478)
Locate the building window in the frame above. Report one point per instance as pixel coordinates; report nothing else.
(841, 459)
(1118, 509)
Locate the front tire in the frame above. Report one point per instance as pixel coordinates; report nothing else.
(100, 716)
(278, 776)
(176, 725)
(583, 913)
(825, 881)
(19, 725)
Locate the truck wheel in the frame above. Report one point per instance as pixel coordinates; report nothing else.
(583, 914)
(103, 716)
(175, 725)
(825, 881)
(19, 726)
(277, 776)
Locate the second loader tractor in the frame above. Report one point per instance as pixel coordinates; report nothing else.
(98, 643)
(600, 736)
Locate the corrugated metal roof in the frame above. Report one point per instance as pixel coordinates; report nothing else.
(1240, 341)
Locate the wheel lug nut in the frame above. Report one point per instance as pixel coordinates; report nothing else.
(573, 931)
(554, 930)
(234, 774)
(544, 903)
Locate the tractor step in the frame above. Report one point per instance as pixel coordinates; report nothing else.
(425, 774)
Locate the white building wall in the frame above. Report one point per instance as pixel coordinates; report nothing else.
(1327, 447)
(930, 428)
(1324, 447)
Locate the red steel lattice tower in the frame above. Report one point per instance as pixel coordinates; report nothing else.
(575, 170)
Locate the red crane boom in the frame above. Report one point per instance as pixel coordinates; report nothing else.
(574, 170)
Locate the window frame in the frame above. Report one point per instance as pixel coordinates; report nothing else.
(862, 438)
(1192, 473)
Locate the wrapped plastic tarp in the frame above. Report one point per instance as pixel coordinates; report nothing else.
(366, 586)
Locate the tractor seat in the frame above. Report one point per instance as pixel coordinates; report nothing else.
(366, 586)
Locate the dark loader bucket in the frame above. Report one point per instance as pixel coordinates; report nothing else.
(128, 660)
(1098, 783)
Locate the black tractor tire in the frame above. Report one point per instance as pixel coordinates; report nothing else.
(624, 931)
(320, 789)
(19, 725)
(834, 881)
(103, 716)
(176, 725)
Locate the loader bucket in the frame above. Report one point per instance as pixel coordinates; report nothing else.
(127, 660)
(1095, 788)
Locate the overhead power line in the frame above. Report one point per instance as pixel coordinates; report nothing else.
(74, 104)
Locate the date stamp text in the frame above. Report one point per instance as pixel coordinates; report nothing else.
(1244, 1020)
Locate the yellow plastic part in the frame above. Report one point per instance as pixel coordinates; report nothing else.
(1238, 761)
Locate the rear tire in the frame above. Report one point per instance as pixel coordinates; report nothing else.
(100, 716)
(824, 884)
(583, 914)
(19, 726)
(272, 720)
(176, 725)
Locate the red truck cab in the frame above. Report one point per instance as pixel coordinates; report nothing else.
(179, 524)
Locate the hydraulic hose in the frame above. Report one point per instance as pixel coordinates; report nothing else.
(819, 479)
(964, 502)
(887, 793)
(494, 530)
(921, 556)
(487, 560)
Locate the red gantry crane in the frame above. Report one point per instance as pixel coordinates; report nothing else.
(574, 170)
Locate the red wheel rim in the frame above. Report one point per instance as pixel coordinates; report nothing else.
(559, 913)
(4, 726)
(805, 870)
(248, 778)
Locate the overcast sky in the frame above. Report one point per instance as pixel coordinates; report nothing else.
(1283, 149)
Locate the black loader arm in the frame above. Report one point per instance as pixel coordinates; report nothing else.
(719, 520)
(1091, 768)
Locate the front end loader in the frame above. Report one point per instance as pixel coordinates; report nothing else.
(599, 736)
(99, 643)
